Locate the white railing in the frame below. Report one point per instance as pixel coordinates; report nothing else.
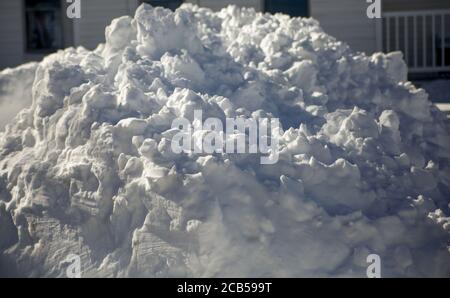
(422, 36)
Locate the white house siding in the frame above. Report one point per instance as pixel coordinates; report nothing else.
(402, 5)
(11, 33)
(347, 21)
(89, 30)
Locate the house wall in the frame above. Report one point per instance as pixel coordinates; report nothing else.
(12, 40)
(402, 5)
(13, 36)
(89, 30)
(347, 21)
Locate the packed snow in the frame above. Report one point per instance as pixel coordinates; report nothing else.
(87, 168)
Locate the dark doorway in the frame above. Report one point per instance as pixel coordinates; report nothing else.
(43, 23)
(171, 4)
(294, 8)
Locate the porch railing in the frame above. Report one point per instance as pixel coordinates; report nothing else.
(422, 36)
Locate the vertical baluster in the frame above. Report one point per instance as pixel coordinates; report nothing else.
(424, 40)
(397, 34)
(433, 32)
(415, 41)
(443, 39)
(406, 40)
(388, 34)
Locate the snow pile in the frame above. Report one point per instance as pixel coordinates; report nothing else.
(88, 169)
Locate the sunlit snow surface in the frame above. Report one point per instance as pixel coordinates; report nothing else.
(88, 168)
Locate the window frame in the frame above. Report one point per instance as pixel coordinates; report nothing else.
(65, 28)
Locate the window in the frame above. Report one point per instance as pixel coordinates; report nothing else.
(43, 23)
(295, 8)
(171, 4)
